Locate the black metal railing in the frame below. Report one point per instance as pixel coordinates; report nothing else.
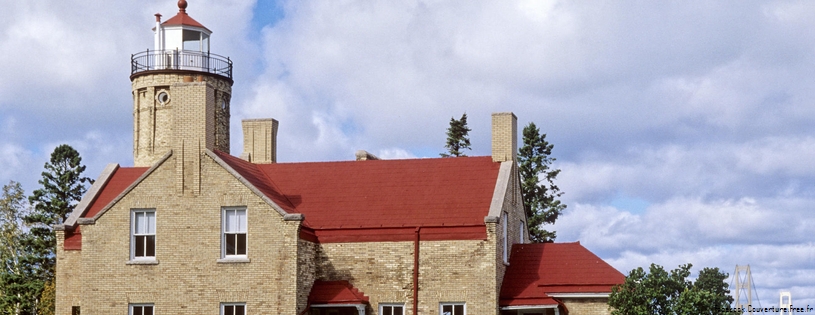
(150, 60)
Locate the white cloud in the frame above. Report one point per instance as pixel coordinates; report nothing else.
(395, 153)
(702, 110)
(13, 158)
(765, 166)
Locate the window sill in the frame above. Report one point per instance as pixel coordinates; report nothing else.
(142, 262)
(233, 260)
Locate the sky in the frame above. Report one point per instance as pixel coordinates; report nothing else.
(685, 130)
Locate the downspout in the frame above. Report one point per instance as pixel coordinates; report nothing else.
(416, 272)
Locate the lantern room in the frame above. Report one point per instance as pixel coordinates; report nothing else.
(181, 32)
(180, 44)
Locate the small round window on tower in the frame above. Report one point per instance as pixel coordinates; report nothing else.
(163, 98)
(223, 104)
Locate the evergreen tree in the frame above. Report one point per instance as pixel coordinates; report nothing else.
(62, 187)
(457, 139)
(538, 188)
(663, 293)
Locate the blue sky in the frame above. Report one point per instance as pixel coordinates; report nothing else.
(685, 130)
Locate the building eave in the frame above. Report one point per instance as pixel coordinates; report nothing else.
(90, 196)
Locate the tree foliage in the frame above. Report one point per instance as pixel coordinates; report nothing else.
(457, 137)
(538, 188)
(62, 187)
(670, 293)
(19, 289)
(48, 298)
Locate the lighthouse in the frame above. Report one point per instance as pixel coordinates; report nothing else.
(181, 94)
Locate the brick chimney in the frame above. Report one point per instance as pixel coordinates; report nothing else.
(504, 137)
(259, 140)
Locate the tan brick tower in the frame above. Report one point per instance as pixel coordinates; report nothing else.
(181, 94)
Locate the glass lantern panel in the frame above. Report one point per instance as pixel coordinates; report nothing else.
(192, 40)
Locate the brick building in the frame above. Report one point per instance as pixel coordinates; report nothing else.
(191, 229)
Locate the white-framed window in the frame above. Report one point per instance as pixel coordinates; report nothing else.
(141, 309)
(505, 226)
(233, 308)
(521, 232)
(143, 234)
(453, 308)
(391, 309)
(234, 232)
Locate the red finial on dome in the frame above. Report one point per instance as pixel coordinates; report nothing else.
(182, 6)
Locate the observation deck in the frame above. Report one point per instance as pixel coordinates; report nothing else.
(179, 61)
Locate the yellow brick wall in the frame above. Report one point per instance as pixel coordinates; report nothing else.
(595, 306)
(306, 271)
(188, 279)
(449, 271)
(68, 277)
(155, 124)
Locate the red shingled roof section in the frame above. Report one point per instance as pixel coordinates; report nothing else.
(335, 292)
(536, 270)
(183, 18)
(255, 176)
(379, 193)
(121, 179)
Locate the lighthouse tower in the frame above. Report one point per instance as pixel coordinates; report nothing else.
(181, 95)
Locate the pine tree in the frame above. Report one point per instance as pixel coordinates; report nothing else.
(62, 187)
(539, 191)
(457, 138)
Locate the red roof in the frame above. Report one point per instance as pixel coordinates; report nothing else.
(379, 194)
(335, 292)
(181, 18)
(122, 178)
(537, 270)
